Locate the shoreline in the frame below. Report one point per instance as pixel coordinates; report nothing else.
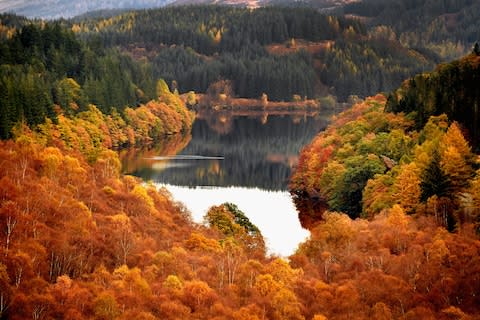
(254, 104)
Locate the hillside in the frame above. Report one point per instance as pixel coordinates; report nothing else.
(390, 191)
(46, 70)
(370, 159)
(448, 28)
(219, 43)
(353, 56)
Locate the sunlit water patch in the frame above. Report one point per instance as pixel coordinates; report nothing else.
(273, 212)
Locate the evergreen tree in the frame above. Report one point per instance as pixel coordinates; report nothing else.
(476, 49)
(434, 180)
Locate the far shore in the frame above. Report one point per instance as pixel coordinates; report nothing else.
(255, 104)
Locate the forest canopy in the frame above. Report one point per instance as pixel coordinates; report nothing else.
(370, 158)
(82, 241)
(44, 67)
(218, 43)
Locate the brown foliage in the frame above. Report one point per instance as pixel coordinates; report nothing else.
(80, 241)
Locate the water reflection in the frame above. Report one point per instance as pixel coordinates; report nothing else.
(136, 161)
(227, 149)
(243, 158)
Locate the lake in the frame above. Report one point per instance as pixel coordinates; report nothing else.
(242, 158)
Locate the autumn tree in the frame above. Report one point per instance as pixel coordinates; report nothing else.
(407, 187)
(5, 290)
(286, 306)
(106, 307)
(198, 295)
(457, 158)
(232, 222)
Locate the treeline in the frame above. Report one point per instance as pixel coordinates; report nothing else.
(199, 45)
(44, 67)
(91, 131)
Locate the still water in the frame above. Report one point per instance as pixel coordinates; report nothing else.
(244, 159)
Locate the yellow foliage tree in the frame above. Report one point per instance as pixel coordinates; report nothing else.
(286, 306)
(406, 188)
(174, 283)
(454, 164)
(106, 307)
(398, 222)
(454, 138)
(140, 192)
(266, 285)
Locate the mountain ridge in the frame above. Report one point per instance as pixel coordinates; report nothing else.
(56, 9)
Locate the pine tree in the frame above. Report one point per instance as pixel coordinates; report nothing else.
(434, 180)
(476, 49)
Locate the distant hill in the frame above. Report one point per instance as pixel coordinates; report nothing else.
(239, 3)
(54, 9)
(278, 51)
(320, 4)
